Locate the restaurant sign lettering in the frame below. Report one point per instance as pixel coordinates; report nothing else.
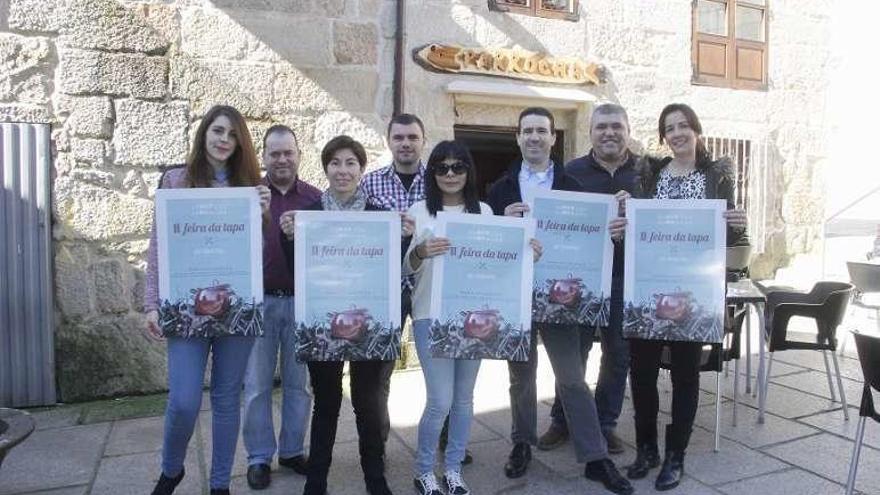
(509, 63)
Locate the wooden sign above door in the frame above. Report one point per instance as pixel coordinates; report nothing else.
(509, 63)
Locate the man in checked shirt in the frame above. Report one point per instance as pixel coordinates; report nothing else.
(396, 187)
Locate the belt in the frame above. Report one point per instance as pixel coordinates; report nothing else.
(279, 292)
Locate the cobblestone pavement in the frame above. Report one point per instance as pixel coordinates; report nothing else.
(803, 447)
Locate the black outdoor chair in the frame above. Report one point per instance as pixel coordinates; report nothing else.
(713, 359)
(868, 347)
(826, 303)
(866, 278)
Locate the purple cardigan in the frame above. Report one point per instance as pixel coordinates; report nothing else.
(173, 179)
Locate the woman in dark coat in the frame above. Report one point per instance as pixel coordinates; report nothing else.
(344, 161)
(689, 174)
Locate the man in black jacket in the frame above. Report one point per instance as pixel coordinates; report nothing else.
(536, 135)
(609, 168)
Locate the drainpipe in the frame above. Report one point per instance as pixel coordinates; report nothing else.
(397, 85)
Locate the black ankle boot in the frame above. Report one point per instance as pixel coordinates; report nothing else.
(671, 472)
(647, 458)
(166, 485)
(315, 485)
(377, 486)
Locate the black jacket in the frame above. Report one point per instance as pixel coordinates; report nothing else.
(506, 191)
(720, 184)
(596, 179)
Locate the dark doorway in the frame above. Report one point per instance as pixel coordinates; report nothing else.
(494, 149)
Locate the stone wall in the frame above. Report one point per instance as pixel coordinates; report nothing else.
(124, 84)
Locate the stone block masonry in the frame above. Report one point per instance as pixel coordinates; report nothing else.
(124, 85)
(150, 133)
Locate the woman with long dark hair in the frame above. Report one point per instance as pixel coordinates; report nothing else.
(450, 186)
(222, 155)
(690, 173)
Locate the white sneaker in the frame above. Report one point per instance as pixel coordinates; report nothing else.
(454, 484)
(426, 484)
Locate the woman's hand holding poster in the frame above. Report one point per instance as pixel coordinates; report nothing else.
(573, 279)
(347, 285)
(674, 273)
(482, 288)
(210, 262)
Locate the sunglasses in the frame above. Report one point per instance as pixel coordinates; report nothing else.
(457, 168)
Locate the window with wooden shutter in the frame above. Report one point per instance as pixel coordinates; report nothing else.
(730, 43)
(554, 9)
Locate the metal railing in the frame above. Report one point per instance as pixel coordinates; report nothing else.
(749, 156)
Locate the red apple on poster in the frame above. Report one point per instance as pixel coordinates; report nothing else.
(673, 306)
(481, 324)
(566, 291)
(213, 301)
(349, 324)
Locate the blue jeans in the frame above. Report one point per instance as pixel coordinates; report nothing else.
(187, 358)
(449, 385)
(611, 385)
(296, 405)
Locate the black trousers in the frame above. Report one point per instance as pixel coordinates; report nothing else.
(685, 371)
(370, 409)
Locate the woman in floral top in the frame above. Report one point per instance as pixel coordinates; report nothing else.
(690, 173)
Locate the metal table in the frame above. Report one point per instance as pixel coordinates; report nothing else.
(746, 292)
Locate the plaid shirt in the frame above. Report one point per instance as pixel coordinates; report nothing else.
(385, 190)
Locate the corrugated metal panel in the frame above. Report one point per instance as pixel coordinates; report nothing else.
(27, 354)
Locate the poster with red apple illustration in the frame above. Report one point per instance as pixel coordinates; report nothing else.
(347, 286)
(674, 273)
(484, 283)
(210, 262)
(573, 280)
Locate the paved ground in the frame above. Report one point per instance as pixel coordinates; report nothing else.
(803, 448)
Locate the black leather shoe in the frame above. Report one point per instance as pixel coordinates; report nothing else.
(299, 464)
(671, 472)
(606, 473)
(468, 458)
(166, 485)
(518, 461)
(220, 491)
(647, 458)
(259, 476)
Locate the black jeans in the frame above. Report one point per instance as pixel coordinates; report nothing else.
(370, 408)
(685, 371)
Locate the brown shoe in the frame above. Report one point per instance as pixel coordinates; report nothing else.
(555, 436)
(615, 444)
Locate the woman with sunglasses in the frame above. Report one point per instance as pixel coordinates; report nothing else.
(690, 173)
(450, 186)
